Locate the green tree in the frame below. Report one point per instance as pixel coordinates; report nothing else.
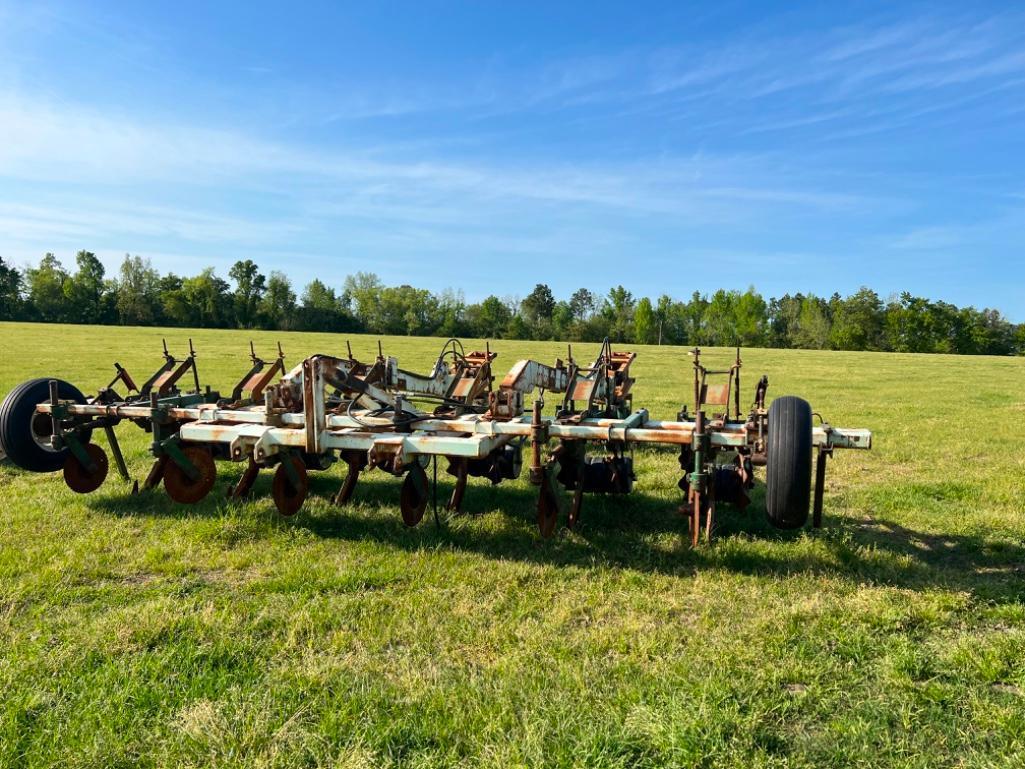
(908, 326)
(693, 319)
(562, 321)
(209, 298)
(721, 319)
(784, 320)
(174, 307)
(249, 289)
(489, 319)
(45, 285)
(277, 306)
(858, 321)
(323, 310)
(618, 311)
(86, 291)
(10, 292)
(406, 310)
(645, 325)
(751, 318)
(813, 328)
(539, 305)
(664, 318)
(137, 292)
(451, 314)
(517, 328)
(582, 304)
(361, 294)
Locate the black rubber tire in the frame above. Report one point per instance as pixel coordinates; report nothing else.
(16, 413)
(788, 463)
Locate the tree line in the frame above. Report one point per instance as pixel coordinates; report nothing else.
(140, 295)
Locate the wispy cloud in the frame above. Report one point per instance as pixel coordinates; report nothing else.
(846, 75)
(57, 142)
(928, 239)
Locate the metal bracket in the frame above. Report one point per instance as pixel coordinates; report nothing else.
(172, 449)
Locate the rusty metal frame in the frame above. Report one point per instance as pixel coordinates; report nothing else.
(326, 407)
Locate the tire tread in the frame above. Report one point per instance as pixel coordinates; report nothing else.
(15, 436)
(788, 469)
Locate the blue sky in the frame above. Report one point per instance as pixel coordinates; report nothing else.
(489, 146)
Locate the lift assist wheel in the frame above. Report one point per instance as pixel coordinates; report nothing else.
(77, 476)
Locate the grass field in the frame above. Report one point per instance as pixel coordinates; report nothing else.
(134, 632)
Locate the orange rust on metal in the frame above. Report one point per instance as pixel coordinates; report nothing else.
(187, 490)
(78, 477)
(547, 510)
(245, 483)
(356, 462)
(161, 383)
(288, 496)
(619, 366)
(413, 496)
(461, 465)
(582, 390)
(474, 376)
(310, 370)
(156, 473)
(514, 374)
(715, 395)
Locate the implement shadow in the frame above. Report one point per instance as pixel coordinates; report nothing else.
(645, 532)
(642, 532)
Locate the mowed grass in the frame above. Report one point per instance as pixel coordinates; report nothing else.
(135, 632)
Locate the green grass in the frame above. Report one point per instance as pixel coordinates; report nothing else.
(134, 632)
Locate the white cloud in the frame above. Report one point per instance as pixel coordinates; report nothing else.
(66, 144)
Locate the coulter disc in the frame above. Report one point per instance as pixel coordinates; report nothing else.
(455, 503)
(413, 497)
(289, 497)
(78, 477)
(183, 489)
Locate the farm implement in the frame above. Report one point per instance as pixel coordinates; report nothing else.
(376, 415)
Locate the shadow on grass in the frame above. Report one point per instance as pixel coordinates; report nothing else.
(643, 532)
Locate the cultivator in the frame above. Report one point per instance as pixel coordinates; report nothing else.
(378, 416)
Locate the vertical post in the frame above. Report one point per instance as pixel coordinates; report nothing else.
(697, 485)
(154, 421)
(55, 421)
(195, 371)
(434, 487)
(536, 434)
(115, 449)
(696, 352)
(820, 485)
(736, 394)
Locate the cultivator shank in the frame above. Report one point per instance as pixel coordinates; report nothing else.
(378, 415)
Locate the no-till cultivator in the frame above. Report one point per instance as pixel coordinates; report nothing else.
(377, 415)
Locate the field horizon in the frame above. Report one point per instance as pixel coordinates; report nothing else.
(136, 631)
